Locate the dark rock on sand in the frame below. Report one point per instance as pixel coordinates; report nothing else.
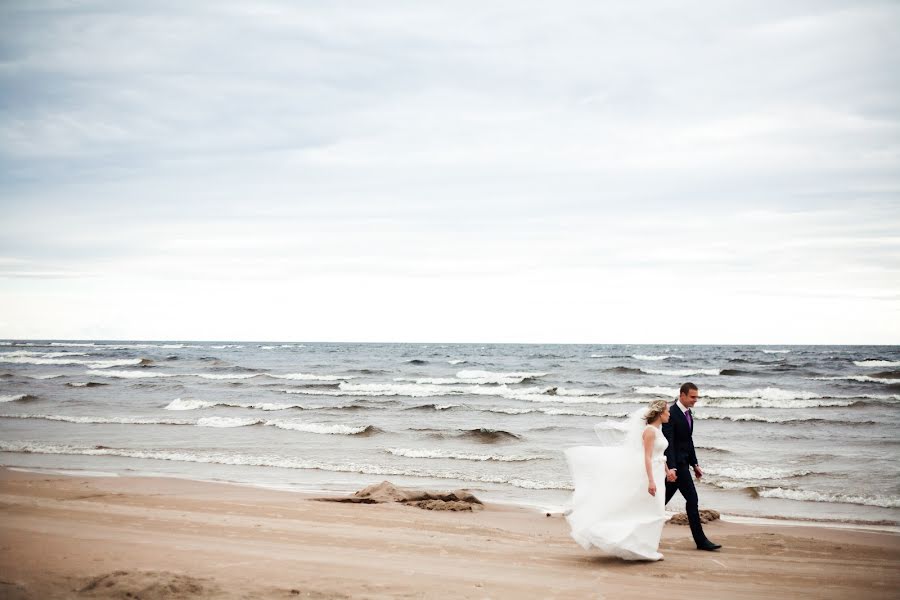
(706, 515)
(384, 492)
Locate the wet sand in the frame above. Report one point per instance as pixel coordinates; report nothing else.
(82, 537)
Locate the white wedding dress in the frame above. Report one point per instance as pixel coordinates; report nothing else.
(611, 507)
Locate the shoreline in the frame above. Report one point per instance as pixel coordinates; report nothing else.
(747, 519)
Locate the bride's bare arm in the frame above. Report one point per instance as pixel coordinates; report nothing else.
(648, 439)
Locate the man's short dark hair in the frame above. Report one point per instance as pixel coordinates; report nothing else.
(686, 388)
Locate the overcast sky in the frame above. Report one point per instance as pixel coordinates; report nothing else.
(598, 172)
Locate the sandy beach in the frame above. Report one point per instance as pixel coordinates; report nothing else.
(116, 537)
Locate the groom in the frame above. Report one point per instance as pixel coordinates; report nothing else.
(680, 456)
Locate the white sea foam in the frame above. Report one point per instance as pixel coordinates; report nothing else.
(750, 417)
(227, 422)
(272, 406)
(755, 472)
(495, 377)
(599, 356)
(769, 397)
(64, 361)
(179, 404)
(877, 363)
(540, 396)
(409, 453)
(813, 496)
(859, 378)
(130, 374)
(431, 380)
(776, 351)
(378, 389)
(770, 403)
(102, 420)
(426, 390)
(13, 398)
(33, 354)
(124, 346)
(581, 413)
(221, 422)
(554, 411)
(309, 377)
(510, 411)
(682, 372)
(457, 361)
(654, 357)
(321, 428)
(275, 461)
(225, 375)
(226, 346)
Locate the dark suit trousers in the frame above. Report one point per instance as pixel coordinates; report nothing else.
(685, 485)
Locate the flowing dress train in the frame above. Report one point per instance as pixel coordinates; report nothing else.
(611, 507)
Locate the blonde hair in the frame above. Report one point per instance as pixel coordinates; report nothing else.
(656, 408)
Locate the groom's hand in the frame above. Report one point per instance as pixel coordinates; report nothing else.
(698, 472)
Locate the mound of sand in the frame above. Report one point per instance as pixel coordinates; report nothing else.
(147, 585)
(386, 491)
(706, 515)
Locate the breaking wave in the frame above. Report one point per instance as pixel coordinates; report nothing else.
(308, 377)
(271, 460)
(103, 420)
(682, 372)
(474, 376)
(221, 422)
(325, 428)
(409, 453)
(227, 422)
(18, 398)
(756, 473)
(57, 359)
(813, 496)
(859, 378)
(877, 363)
(130, 374)
(769, 397)
(654, 357)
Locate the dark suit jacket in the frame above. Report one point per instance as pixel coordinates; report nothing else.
(679, 434)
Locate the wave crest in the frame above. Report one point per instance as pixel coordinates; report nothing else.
(409, 453)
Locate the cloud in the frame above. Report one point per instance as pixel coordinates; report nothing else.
(464, 157)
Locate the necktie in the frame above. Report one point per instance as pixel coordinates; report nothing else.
(689, 418)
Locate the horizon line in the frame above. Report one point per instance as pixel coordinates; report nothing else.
(13, 341)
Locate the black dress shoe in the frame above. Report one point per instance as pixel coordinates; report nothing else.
(708, 545)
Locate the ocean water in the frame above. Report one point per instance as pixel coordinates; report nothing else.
(806, 432)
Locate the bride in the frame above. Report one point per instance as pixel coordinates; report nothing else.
(618, 505)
